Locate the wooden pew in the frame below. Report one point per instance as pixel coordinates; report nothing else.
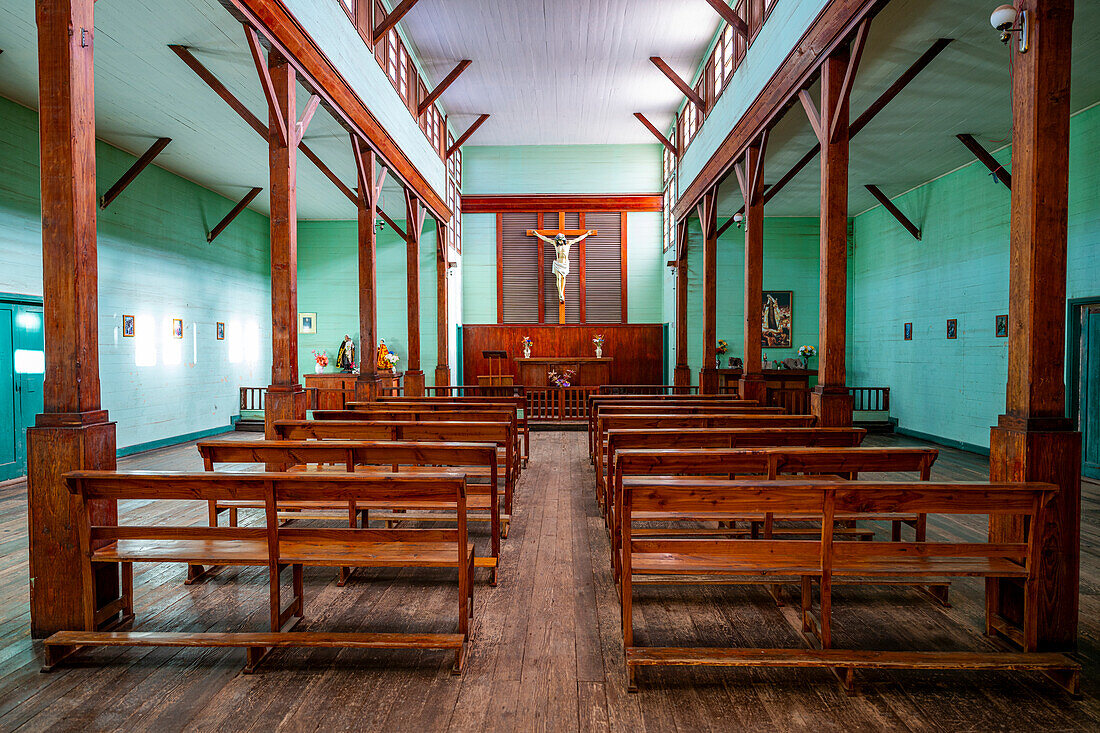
(596, 401)
(466, 460)
(823, 560)
(672, 408)
(770, 463)
(517, 402)
(420, 432)
(274, 546)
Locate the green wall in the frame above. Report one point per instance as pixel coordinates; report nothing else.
(328, 281)
(955, 389)
(155, 264)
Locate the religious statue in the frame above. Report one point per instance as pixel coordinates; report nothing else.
(345, 357)
(560, 266)
(383, 364)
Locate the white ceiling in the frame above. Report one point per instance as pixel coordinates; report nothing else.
(553, 72)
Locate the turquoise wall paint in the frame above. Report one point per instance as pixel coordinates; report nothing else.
(328, 25)
(958, 270)
(787, 23)
(154, 263)
(328, 282)
(479, 268)
(644, 263)
(790, 263)
(517, 169)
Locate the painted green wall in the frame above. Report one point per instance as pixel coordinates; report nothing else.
(155, 264)
(328, 281)
(955, 389)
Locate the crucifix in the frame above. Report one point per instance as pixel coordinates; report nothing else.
(558, 238)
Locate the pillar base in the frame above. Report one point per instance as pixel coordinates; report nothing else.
(442, 375)
(753, 387)
(708, 380)
(832, 406)
(681, 377)
(414, 383)
(57, 444)
(1049, 450)
(366, 387)
(283, 402)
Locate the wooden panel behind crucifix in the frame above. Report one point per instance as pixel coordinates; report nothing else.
(559, 238)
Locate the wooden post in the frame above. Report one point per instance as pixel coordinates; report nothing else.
(73, 432)
(443, 326)
(1033, 440)
(414, 221)
(285, 399)
(752, 385)
(682, 373)
(366, 384)
(708, 374)
(830, 400)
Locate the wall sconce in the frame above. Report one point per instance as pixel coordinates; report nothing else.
(1007, 20)
(739, 220)
(452, 268)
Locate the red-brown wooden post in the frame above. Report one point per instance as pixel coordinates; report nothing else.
(442, 327)
(1033, 440)
(682, 372)
(830, 400)
(752, 385)
(708, 374)
(366, 384)
(285, 399)
(414, 221)
(73, 432)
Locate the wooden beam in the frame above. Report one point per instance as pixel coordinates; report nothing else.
(707, 209)
(129, 176)
(894, 210)
(392, 18)
(259, 59)
(366, 384)
(236, 210)
(414, 221)
(811, 113)
(492, 204)
(307, 117)
(682, 373)
(657, 133)
(442, 86)
(730, 16)
(986, 159)
(442, 314)
(855, 53)
(393, 225)
(466, 135)
(752, 385)
(682, 85)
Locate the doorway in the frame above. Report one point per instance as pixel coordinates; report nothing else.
(1085, 379)
(22, 367)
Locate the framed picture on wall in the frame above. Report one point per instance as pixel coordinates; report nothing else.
(907, 331)
(1001, 329)
(307, 323)
(777, 320)
(952, 328)
(221, 331)
(177, 328)
(128, 326)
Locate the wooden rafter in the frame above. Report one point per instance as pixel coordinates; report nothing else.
(307, 117)
(466, 135)
(392, 18)
(811, 113)
(260, 61)
(894, 210)
(233, 213)
(682, 85)
(756, 175)
(854, 55)
(657, 133)
(986, 159)
(730, 16)
(129, 176)
(442, 87)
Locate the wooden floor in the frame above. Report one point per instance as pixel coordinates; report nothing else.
(546, 651)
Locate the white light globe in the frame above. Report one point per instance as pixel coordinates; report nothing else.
(1003, 18)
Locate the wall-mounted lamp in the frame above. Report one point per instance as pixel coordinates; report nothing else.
(452, 268)
(1008, 20)
(739, 220)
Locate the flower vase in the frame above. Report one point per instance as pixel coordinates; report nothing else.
(317, 368)
(599, 352)
(526, 352)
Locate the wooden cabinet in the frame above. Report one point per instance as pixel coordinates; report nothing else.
(588, 370)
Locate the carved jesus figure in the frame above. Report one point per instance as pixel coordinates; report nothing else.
(560, 266)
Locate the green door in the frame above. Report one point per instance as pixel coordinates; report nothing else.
(21, 371)
(1090, 391)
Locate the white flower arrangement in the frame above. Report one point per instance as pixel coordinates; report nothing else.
(392, 359)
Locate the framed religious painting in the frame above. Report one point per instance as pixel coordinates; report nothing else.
(307, 323)
(1000, 330)
(220, 331)
(177, 328)
(128, 326)
(907, 331)
(777, 319)
(952, 328)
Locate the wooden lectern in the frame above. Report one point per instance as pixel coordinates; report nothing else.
(496, 376)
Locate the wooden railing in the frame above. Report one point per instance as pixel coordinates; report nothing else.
(870, 398)
(558, 403)
(473, 390)
(252, 398)
(647, 389)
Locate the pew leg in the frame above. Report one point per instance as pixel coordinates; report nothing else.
(1068, 679)
(299, 591)
(895, 530)
(631, 680)
(775, 590)
(196, 573)
(54, 654)
(922, 527)
(807, 602)
(127, 591)
(847, 679)
(232, 517)
(253, 655)
(938, 592)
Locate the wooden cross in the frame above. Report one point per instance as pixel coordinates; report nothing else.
(553, 233)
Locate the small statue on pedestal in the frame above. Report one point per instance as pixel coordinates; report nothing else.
(345, 357)
(383, 364)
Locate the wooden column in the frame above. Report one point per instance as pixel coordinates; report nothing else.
(830, 400)
(1033, 440)
(366, 384)
(73, 432)
(708, 374)
(442, 323)
(414, 221)
(285, 399)
(682, 373)
(752, 385)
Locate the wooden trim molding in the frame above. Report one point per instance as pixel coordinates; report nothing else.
(496, 203)
(622, 265)
(500, 269)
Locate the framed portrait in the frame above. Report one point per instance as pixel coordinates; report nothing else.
(307, 323)
(1001, 329)
(907, 331)
(777, 319)
(221, 331)
(128, 326)
(177, 328)
(952, 328)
